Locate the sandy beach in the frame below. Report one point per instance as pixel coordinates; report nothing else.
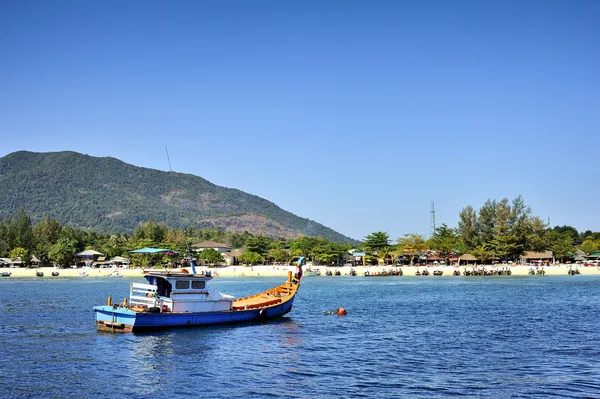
(271, 271)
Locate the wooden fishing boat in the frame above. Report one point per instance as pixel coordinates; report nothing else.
(181, 299)
(310, 272)
(385, 273)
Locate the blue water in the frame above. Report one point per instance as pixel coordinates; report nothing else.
(478, 337)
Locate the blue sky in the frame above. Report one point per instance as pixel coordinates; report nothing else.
(354, 114)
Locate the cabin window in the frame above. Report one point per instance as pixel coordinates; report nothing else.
(182, 285)
(198, 285)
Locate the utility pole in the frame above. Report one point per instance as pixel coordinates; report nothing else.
(432, 222)
(168, 159)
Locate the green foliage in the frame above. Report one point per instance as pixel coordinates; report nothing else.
(412, 244)
(501, 230)
(467, 227)
(63, 251)
(589, 246)
(116, 245)
(21, 253)
(377, 241)
(444, 240)
(304, 246)
(483, 253)
(561, 243)
(251, 258)
(278, 255)
(260, 245)
(110, 196)
(211, 256)
(326, 253)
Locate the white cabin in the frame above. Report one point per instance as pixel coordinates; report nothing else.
(178, 292)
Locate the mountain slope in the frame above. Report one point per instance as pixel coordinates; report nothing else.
(108, 195)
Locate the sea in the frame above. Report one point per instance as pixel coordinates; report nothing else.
(402, 337)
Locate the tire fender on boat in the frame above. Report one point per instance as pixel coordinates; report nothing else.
(262, 314)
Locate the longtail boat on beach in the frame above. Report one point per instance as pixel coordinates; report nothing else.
(179, 298)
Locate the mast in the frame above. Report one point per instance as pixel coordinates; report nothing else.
(187, 246)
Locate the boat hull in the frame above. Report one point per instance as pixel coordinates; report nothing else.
(116, 319)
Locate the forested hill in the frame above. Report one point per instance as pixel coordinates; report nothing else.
(108, 195)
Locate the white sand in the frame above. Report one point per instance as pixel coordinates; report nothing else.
(266, 271)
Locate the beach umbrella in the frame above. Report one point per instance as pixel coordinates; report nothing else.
(147, 250)
(87, 252)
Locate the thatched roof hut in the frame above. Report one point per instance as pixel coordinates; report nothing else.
(530, 256)
(466, 259)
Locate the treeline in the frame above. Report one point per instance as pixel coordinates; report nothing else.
(53, 243)
(499, 230)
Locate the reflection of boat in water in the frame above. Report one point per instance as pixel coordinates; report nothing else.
(182, 299)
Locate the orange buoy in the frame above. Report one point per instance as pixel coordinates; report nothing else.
(341, 312)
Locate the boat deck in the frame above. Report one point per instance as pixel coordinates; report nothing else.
(268, 298)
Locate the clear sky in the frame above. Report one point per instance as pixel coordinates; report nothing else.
(354, 114)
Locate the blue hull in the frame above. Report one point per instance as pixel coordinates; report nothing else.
(115, 319)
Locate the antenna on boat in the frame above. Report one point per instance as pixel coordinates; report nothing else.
(187, 246)
(168, 159)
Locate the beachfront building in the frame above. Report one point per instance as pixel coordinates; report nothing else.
(530, 257)
(434, 259)
(120, 261)
(87, 258)
(578, 256)
(593, 257)
(357, 258)
(467, 259)
(16, 262)
(35, 262)
(231, 257)
(222, 248)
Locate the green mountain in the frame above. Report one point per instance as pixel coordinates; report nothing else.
(108, 195)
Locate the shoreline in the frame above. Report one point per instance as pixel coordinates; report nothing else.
(281, 271)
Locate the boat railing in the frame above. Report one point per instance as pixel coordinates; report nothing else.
(142, 294)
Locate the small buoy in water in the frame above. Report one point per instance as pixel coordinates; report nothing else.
(341, 312)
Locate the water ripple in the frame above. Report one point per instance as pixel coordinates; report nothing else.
(403, 337)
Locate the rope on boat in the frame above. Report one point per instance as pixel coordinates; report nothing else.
(309, 303)
(339, 311)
